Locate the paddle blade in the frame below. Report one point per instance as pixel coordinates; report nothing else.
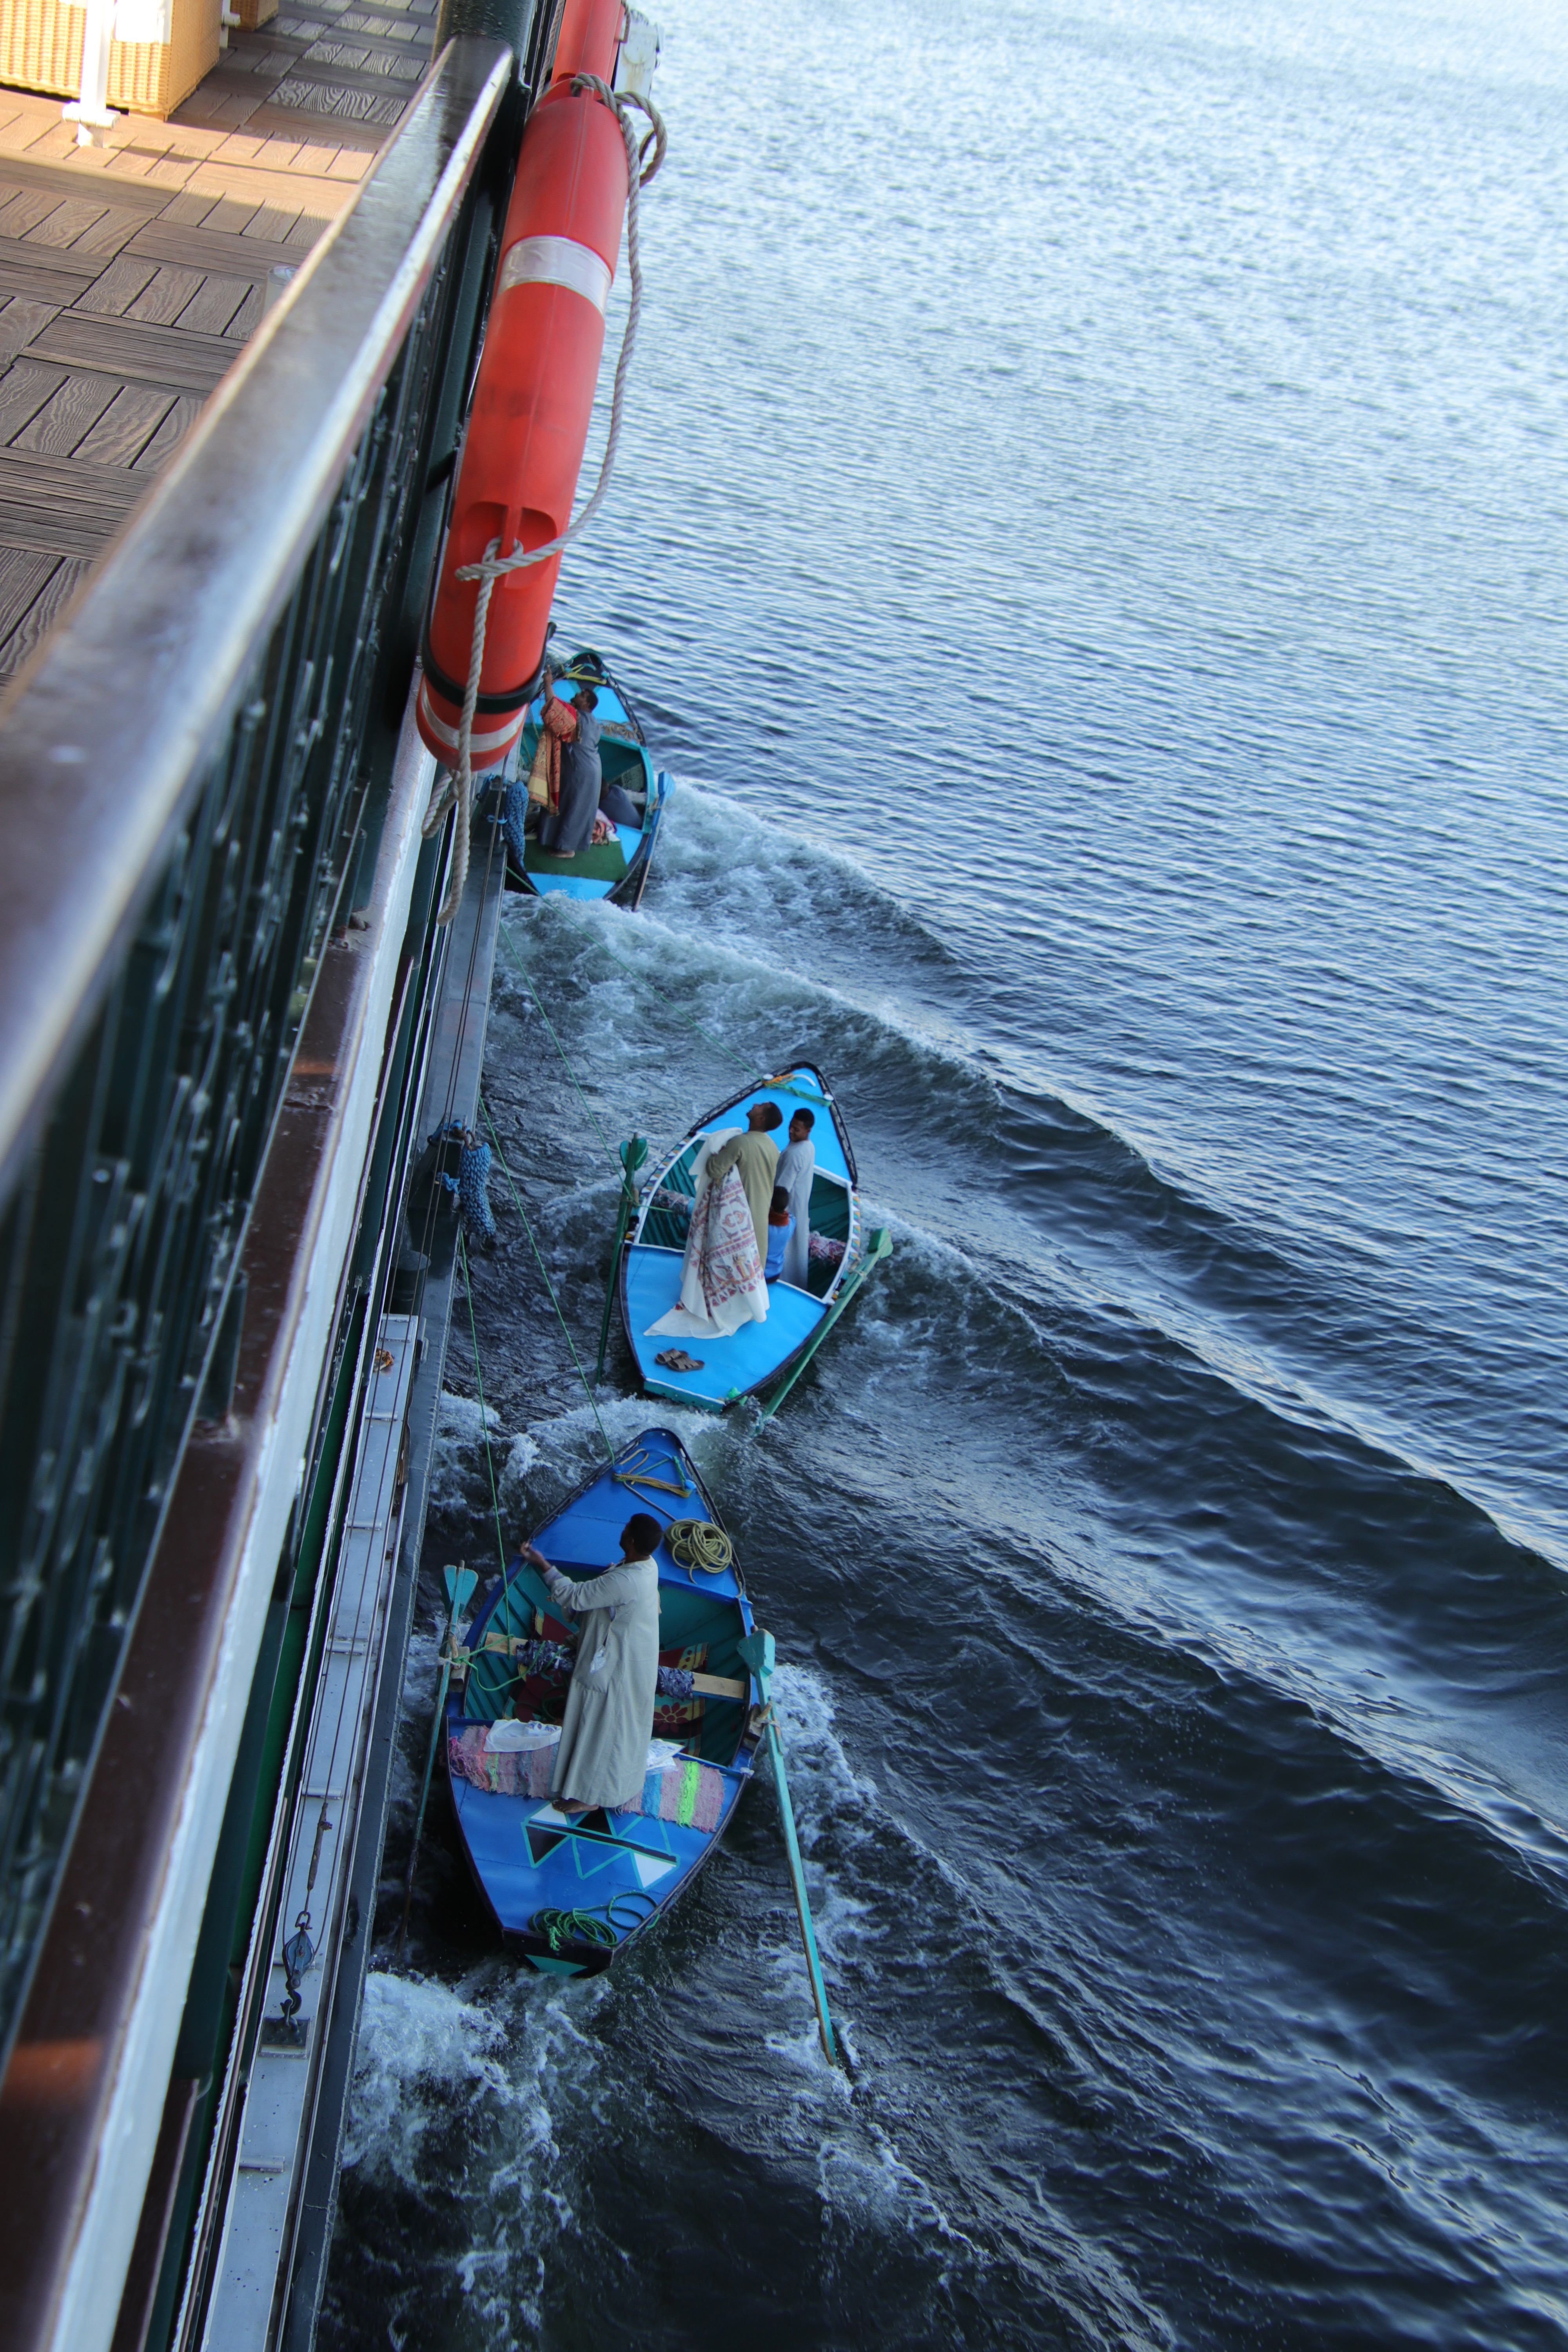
(459, 1583)
(757, 1651)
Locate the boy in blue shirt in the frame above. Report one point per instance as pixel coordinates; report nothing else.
(781, 1224)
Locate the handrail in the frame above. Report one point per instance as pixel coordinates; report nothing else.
(106, 736)
(195, 771)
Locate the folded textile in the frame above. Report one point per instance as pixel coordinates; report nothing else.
(688, 1792)
(502, 1771)
(548, 1659)
(826, 1252)
(679, 1790)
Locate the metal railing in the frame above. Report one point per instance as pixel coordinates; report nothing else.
(192, 776)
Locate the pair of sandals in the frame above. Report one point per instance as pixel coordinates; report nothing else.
(676, 1360)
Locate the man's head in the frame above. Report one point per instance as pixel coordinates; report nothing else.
(762, 1116)
(585, 700)
(801, 1124)
(778, 1214)
(640, 1535)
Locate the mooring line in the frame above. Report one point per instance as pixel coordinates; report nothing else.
(480, 1384)
(560, 1049)
(544, 1274)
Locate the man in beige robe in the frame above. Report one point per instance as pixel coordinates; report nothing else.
(756, 1155)
(603, 1756)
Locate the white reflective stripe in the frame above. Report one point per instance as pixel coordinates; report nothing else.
(476, 742)
(557, 261)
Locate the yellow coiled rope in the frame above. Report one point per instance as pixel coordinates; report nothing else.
(699, 1544)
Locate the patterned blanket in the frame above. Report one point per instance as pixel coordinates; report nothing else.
(688, 1792)
(723, 1243)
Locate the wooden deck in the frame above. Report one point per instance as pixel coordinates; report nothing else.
(131, 274)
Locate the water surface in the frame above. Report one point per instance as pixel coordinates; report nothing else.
(1089, 544)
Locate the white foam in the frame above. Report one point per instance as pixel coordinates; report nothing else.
(494, 2081)
(522, 1453)
(461, 1429)
(421, 2046)
(822, 1780)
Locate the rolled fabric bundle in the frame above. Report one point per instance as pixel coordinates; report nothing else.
(473, 1181)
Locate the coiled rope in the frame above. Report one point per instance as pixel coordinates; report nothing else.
(587, 1925)
(699, 1544)
(459, 785)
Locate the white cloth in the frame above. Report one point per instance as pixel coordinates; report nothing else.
(689, 1318)
(503, 1739)
(796, 1164)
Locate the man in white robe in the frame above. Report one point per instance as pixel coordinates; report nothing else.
(603, 1756)
(796, 1164)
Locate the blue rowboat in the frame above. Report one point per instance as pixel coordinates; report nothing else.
(616, 870)
(569, 1895)
(759, 1356)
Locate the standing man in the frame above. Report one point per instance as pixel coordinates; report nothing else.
(756, 1155)
(602, 1754)
(795, 1167)
(568, 826)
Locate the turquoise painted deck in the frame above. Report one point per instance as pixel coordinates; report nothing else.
(729, 1366)
(578, 1871)
(584, 1537)
(573, 886)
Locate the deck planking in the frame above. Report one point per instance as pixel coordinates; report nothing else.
(131, 275)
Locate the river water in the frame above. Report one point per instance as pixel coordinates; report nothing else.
(1088, 543)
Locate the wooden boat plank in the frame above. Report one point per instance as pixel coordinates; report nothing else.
(126, 426)
(67, 417)
(55, 592)
(45, 275)
(236, 254)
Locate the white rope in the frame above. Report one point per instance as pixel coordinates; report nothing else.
(457, 785)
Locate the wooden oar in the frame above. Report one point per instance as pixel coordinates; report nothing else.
(459, 1583)
(757, 1650)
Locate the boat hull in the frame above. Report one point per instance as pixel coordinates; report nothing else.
(570, 1895)
(617, 870)
(759, 1355)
